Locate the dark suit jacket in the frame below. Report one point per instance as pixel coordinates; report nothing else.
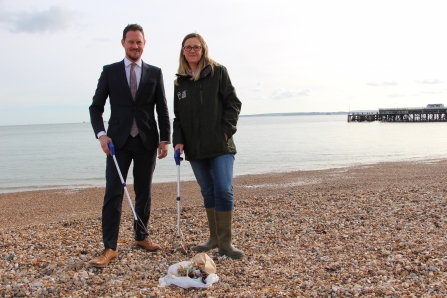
(113, 84)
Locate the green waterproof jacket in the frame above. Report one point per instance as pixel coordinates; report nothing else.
(204, 110)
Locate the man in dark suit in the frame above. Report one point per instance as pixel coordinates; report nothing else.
(134, 89)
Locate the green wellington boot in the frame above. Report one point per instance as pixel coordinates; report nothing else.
(213, 241)
(223, 223)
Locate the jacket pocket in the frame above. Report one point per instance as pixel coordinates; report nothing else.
(220, 144)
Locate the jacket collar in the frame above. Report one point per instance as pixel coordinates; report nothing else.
(145, 70)
(123, 79)
(203, 74)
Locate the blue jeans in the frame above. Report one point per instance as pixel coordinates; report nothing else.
(215, 178)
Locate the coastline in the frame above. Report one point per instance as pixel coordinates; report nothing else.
(370, 229)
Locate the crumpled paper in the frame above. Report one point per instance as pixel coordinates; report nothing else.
(203, 261)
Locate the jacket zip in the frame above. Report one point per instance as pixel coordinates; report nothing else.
(201, 101)
(198, 141)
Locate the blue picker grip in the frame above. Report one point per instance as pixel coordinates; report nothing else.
(177, 157)
(111, 148)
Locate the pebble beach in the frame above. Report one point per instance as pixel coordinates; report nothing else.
(370, 230)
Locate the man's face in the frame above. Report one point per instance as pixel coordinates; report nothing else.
(133, 45)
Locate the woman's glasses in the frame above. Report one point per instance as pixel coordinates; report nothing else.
(195, 48)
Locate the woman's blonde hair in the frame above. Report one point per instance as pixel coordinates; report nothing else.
(184, 69)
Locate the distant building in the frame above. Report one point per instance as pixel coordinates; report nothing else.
(435, 106)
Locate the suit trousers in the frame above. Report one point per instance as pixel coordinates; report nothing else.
(143, 168)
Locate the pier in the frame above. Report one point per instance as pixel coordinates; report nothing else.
(431, 113)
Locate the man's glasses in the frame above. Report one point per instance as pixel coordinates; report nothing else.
(195, 48)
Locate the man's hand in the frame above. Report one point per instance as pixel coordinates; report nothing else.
(104, 140)
(162, 150)
(179, 146)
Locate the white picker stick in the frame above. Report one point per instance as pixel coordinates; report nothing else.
(112, 151)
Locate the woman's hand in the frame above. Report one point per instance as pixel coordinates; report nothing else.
(179, 146)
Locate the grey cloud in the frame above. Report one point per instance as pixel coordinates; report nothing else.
(435, 81)
(376, 84)
(51, 20)
(282, 94)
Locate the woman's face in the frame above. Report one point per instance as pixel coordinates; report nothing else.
(192, 49)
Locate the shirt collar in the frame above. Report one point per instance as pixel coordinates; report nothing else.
(127, 62)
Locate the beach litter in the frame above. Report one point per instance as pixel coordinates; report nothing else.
(199, 272)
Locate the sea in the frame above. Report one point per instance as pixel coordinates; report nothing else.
(54, 156)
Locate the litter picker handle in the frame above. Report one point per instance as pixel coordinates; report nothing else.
(111, 148)
(177, 157)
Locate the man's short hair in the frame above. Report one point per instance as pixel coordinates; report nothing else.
(132, 27)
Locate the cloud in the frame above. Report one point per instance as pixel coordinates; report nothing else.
(435, 92)
(394, 95)
(304, 92)
(376, 84)
(282, 94)
(51, 20)
(97, 41)
(435, 81)
(101, 39)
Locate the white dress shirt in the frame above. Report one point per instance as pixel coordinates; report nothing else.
(137, 68)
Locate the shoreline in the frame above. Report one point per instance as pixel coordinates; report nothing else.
(191, 179)
(374, 230)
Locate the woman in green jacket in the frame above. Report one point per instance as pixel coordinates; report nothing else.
(206, 111)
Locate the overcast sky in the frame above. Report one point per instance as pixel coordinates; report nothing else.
(282, 56)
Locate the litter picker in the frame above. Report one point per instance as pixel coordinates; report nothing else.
(177, 159)
(112, 152)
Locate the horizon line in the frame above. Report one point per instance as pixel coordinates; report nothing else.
(244, 115)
